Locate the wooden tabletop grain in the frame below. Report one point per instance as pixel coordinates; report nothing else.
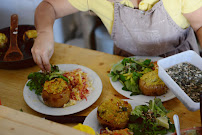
(13, 122)
(12, 83)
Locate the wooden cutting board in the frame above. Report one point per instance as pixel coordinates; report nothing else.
(13, 122)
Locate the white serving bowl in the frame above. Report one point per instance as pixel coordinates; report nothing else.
(165, 63)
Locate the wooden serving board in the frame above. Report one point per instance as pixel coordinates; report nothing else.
(13, 122)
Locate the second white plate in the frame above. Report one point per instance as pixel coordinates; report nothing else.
(141, 98)
(91, 119)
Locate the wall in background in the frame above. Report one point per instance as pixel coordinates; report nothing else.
(25, 10)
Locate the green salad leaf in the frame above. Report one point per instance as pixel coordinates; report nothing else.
(150, 119)
(128, 73)
(37, 79)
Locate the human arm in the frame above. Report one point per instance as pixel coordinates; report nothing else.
(199, 35)
(195, 20)
(45, 15)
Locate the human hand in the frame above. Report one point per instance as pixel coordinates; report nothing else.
(43, 49)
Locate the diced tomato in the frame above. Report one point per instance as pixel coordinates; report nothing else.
(81, 88)
(72, 96)
(102, 130)
(85, 98)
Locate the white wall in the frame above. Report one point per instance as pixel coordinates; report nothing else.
(25, 10)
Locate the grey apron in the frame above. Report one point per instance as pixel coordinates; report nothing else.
(149, 33)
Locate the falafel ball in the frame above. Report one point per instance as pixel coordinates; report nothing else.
(114, 113)
(151, 85)
(3, 40)
(29, 35)
(56, 93)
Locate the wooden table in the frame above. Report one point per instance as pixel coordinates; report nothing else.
(14, 122)
(12, 83)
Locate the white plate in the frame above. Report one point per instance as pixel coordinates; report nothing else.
(142, 98)
(36, 103)
(91, 119)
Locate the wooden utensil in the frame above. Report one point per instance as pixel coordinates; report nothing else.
(13, 53)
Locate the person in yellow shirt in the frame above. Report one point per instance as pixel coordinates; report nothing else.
(138, 27)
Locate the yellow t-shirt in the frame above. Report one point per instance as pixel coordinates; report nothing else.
(105, 9)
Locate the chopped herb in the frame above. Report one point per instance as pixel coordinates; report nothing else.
(21, 110)
(150, 119)
(37, 79)
(124, 109)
